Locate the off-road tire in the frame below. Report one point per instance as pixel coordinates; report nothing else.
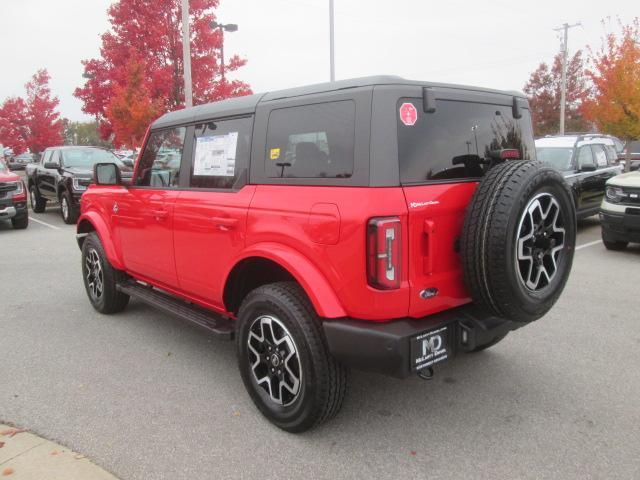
(111, 300)
(71, 215)
(491, 232)
(20, 223)
(323, 378)
(38, 204)
(614, 245)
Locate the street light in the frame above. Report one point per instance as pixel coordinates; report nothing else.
(229, 27)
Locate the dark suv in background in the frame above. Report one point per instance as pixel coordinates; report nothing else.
(63, 174)
(586, 161)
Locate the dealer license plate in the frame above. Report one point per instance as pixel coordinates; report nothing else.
(430, 348)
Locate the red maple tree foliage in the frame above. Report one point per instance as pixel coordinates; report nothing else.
(33, 123)
(614, 102)
(13, 124)
(543, 90)
(43, 121)
(131, 107)
(150, 31)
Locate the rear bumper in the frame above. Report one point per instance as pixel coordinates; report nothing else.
(620, 227)
(386, 347)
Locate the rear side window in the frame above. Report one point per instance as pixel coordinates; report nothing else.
(311, 141)
(160, 163)
(221, 152)
(453, 142)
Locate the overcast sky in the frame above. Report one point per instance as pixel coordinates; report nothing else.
(493, 43)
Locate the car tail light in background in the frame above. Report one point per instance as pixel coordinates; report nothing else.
(383, 252)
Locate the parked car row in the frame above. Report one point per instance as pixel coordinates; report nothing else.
(13, 198)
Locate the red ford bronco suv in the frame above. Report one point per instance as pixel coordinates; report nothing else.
(377, 223)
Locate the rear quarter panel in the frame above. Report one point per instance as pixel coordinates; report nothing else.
(327, 225)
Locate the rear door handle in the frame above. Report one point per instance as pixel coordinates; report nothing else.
(160, 214)
(225, 223)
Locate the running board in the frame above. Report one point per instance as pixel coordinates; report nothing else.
(219, 325)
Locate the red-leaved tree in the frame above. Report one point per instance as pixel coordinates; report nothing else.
(543, 91)
(614, 103)
(43, 121)
(13, 124)
(151, 30)
(131, 107)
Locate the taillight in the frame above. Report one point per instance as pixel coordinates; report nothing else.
(383, 252)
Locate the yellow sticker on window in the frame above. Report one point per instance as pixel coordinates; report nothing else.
(274, 154)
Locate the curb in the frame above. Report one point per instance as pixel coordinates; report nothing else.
(25, 456)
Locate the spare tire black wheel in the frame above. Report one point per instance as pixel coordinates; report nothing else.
(518, 240)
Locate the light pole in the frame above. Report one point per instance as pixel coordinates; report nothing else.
(332, 57)
(186, 55)
(229, 27)
(563, 88)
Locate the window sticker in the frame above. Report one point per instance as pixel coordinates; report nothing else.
(274, 154)
(216, 155)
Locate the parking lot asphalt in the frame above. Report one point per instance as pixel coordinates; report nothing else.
(148, 397)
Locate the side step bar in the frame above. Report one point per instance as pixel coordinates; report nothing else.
(219, 325)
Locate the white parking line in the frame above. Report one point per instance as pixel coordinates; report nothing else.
(590, 244)
(44, 223)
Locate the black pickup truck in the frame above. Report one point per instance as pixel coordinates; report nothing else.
(63, 174)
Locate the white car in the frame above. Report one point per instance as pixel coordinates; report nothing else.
(620, 211)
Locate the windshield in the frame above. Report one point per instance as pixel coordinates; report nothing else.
(87, 157)
(559, 158)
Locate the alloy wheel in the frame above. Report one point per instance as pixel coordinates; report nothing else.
(274, 359)
(540, 243)
(65, 208)
(94, 274)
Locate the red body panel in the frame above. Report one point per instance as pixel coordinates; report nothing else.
(436, 215)
(208, 235)
(188, 241)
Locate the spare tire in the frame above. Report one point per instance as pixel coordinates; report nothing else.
(518, 240)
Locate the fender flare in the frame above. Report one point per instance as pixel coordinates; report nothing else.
(313, 282)
(104, 233)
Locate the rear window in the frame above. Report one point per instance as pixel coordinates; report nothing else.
(311, 141)
(453, 142)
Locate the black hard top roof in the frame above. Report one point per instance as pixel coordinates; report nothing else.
(247, 104)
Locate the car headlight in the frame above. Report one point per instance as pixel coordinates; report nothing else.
(77, 185)
(19, 188)
(614, 194)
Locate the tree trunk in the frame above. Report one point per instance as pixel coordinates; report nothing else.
(627, 162)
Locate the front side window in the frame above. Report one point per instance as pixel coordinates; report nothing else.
(311, 141)
(457, 141)
(221, 152)
(160, 162)
(600, 155)
(585, 157)
(46, 156)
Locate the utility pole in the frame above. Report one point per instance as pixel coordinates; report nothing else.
(229, 27)
(332, 58)
(186, 55)
(563, 88)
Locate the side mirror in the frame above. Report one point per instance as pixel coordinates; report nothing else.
(51, 165)
(589, 167)
(106, 174)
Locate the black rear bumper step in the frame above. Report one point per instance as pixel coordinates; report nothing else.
(385, 347)
(219, 325)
